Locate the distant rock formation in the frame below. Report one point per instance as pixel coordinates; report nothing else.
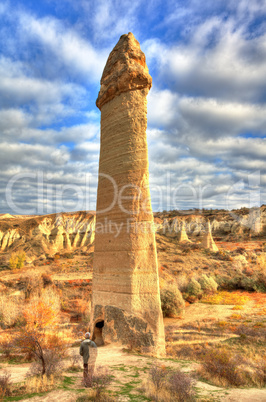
(6, 216)
(126, 299)
(183, 234)
(40, 235)
(207, 240)
(47, 234)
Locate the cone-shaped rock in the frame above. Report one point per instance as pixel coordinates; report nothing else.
(207, 240)
(183, 234)
(126, 299)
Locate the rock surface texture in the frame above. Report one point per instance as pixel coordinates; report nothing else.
(125, 273)
(207, 240)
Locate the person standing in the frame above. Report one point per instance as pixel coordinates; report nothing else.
(88, 361)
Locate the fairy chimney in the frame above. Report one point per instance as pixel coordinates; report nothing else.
(183, 234)
(207, 240)
(126, 299)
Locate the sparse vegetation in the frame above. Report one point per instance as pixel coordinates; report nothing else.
(167, 386)
(227, 368)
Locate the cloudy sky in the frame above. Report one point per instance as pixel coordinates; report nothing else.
(206, 109)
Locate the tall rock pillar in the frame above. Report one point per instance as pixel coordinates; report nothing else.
(207, 240)
(126, 299)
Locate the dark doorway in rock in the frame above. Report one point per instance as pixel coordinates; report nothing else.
(98, 336)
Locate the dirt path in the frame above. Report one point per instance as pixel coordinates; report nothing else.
(17, 371)
(130, 370)
(55, 396)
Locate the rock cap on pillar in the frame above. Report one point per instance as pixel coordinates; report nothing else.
(125, 70)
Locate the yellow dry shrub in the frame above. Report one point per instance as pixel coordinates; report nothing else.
(39, 384)
(151, 391)
(17, 260)
(237, 308)
(2, 394)
(236, 317)
(261, 260)
(224, 297)
(42, 311)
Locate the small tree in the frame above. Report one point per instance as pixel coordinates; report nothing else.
(46, 349)
(31, 342)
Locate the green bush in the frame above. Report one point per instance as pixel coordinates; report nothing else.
(256, 282)
(172, 301)
(208, 284)
(194, 288)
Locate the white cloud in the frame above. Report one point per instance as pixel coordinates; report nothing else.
(218, 61)
(66, 45)
(17, 86)
(111, 19)
(214, 117)
(11, 119)
(162, 107)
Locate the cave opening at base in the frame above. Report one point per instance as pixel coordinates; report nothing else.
(98, 336)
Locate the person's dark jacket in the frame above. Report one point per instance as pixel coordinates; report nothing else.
(84, 349)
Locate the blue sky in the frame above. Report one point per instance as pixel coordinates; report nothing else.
(206, 110)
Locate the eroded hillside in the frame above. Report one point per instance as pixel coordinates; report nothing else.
(44, 236)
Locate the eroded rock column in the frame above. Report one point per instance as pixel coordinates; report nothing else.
(207, 240)
(126, 298)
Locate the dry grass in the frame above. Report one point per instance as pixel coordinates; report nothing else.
(224, 297)
(227, 368)
(10, 309)
(168, 386)
(5, 385)
(38, 384)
